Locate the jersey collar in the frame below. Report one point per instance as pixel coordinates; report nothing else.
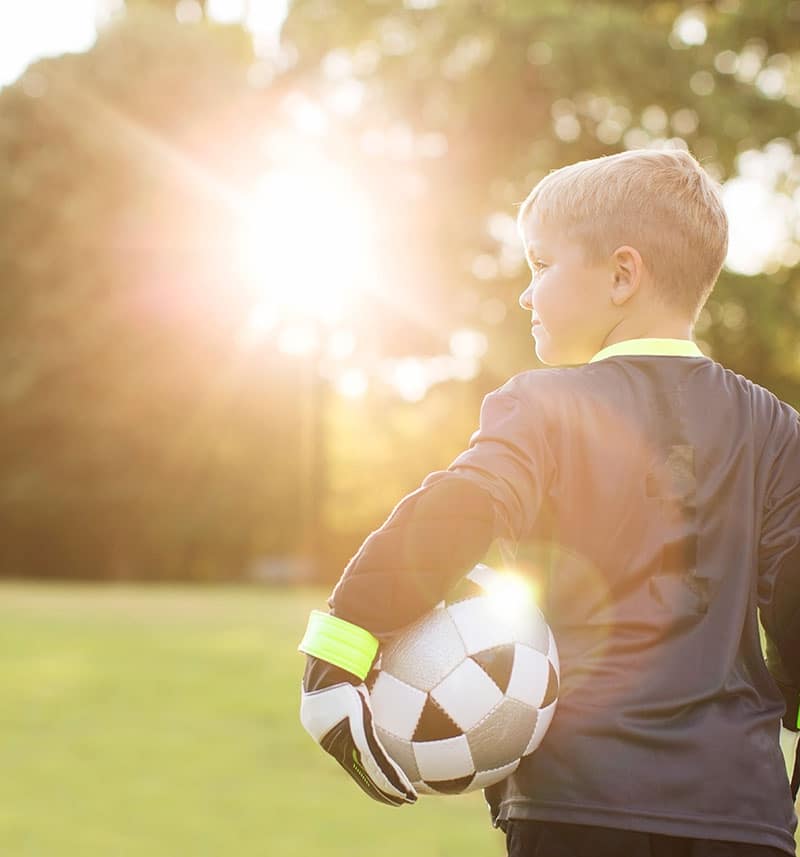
(650, 347)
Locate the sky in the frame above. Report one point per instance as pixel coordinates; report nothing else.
(760, 221)
(32, 29)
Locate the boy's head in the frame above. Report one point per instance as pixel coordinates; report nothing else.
(622, 246)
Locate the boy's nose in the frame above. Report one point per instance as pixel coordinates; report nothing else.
(525, 299)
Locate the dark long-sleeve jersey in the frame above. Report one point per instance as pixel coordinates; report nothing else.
(658, 498)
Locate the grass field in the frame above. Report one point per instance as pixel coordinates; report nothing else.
(162, 721)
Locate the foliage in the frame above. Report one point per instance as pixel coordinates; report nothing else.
(495, 77)
(141, 434)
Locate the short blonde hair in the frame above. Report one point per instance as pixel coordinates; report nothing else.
(660, 201)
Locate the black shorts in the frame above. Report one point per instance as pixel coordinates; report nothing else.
(551, 839)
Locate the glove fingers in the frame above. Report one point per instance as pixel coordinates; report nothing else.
(338, 742)
(340, 720)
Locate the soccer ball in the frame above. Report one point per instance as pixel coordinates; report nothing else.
(470, 688)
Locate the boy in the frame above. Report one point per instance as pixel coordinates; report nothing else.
(667, 491)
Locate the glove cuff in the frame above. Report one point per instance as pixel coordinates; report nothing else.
(340, 643)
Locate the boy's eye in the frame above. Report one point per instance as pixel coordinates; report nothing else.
(537, 266)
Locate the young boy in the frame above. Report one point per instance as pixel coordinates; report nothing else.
(666, 490)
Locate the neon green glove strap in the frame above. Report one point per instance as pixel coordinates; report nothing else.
(339, 643)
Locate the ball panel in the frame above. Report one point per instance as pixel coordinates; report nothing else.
(552, 651)
(451, 787)
(551, 692)
(401, 752)
(424, 654)
(444, 760)
(503, 736)
(529, 676)
(464, 590)
(478, 627)
(483, 575)
(467, 694)
(532, 629)
(497, 663)
(542, 724)
(434, 724)
(488, 778)
(396, 707)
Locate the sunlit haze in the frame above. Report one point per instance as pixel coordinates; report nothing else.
(305, 241)
(304, 278)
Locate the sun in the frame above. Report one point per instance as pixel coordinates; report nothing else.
(306, 244)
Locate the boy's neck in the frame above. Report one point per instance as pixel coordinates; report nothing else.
(636, 329)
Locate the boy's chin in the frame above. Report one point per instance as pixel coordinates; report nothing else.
(548, 355)
(545, 358)
(552, 357)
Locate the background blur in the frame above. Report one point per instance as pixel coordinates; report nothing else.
(259, 266)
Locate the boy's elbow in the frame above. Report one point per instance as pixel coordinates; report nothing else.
(410, 563)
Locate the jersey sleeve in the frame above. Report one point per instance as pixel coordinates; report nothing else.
(436, 534)
(510, 458)
(779, 564)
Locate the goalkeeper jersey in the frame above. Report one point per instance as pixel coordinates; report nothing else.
(656, 496)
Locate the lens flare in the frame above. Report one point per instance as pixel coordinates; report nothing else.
(512, 596)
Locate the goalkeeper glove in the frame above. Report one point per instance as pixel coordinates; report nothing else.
(335, 708)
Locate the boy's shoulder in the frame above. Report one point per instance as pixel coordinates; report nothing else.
(763, 399)
(552, 385)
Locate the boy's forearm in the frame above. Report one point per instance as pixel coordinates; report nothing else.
(432, 538)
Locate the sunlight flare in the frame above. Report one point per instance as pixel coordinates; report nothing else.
(512, 596)
(307, 241)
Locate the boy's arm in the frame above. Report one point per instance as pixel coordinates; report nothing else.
(433, 537)
(779, 563)
(436, 534)
(779, 588)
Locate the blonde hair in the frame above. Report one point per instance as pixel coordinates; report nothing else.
(660, 201)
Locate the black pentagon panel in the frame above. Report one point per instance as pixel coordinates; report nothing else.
(434, 724)
(551, 694)
(463, 591)
(497, 663)
(451, 787)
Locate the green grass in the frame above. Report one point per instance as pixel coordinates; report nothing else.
(163, 721)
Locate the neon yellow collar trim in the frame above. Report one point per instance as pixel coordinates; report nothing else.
(650, 347)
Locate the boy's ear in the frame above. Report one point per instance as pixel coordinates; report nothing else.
(627, 274)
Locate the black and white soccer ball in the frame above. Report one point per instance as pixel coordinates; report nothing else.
(469, 689)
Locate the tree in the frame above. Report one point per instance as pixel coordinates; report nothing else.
(139, 437)
(517, 89)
